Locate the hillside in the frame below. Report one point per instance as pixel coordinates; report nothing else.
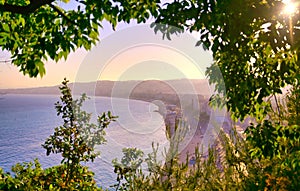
(167, 91)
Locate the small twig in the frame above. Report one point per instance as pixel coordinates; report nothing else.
(6, 61)
(61, 13)
(277, 105)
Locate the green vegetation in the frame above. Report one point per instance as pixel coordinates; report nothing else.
(29, 176)
(75, 140)
(267, 159)
(254, 45)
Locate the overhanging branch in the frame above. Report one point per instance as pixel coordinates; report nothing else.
(61, 13)
(30, 8)
(6, 61)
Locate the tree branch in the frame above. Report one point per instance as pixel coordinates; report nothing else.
(27, 9)
(61, 13)
(277, 105)
(6, 61)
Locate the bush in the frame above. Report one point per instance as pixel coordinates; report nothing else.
(265, 158)
(75, 140)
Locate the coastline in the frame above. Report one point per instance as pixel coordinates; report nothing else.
(171, 114)
(169, 109)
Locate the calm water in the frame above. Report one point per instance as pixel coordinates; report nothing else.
(27, 120)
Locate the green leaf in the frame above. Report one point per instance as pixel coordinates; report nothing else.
(5, 27)
(41, 68)
(65, 1)
(94, 35)
(22, 20)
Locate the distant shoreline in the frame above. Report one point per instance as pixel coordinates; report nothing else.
(168, 95)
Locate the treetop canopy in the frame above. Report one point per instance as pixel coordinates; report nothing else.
(35, 30)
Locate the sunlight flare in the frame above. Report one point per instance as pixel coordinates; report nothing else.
(290, 7)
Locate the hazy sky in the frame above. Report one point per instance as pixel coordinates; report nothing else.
(10, 77)
(129, 53)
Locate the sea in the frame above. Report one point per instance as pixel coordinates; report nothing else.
(27, 120)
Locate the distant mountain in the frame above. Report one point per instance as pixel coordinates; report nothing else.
(39, 90)
(144, 90)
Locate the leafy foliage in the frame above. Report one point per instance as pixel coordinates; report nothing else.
(287, 109)
(76, 139)
(292, 106)
(273, 140)
(206, 173)
(127, 167)
(277, 148)
(33, 31)
(231, 165)
(29, 177)
(254, 45)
